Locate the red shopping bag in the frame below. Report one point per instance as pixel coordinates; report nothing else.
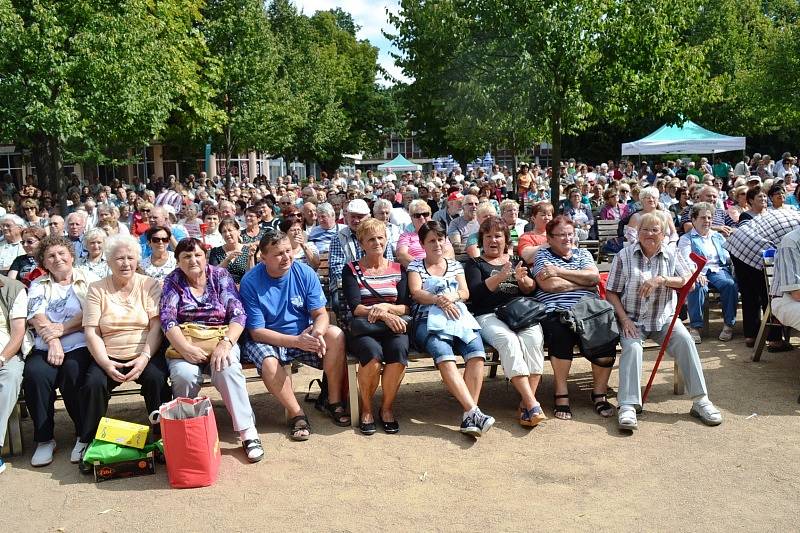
(191, 442)
(601, 287)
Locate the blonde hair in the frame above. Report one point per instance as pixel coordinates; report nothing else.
(368, 227)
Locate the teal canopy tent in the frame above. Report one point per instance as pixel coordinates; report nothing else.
(399, 163)
(688, 138)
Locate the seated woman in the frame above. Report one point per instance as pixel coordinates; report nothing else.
(640, 287)
(375, 289)
(123, 333)
(649, 199)
(612, 208)
(233, 255)
(438, 285)
(60, 358)
(530, 242)
(484, 212)
(408, 246)
(161, 261)
(253, 231)
(708, 243)
(14, 346)
(198, 296)
(757, 203)
(302, 250)
(95, 262)
(25, 268)
(493, 281)
(563, 276)
(580, 213)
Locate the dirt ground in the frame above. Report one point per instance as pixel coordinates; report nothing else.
(673, 474)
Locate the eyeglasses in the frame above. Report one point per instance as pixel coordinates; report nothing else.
(426, 214)
(471, 203)
(30, 208)
(30, 242)
(653, 231)
(296, 215)
(569, 236)
(163, 240)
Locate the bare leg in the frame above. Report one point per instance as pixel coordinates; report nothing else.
(560, 374)
(368, 379)
(473, 377)
(523, 387)
(279, 384)
(390, 383)
(455, 384)
(333, 363)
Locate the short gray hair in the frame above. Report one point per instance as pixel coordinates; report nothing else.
(326, 208)
(16, 219)
(701, 207)
(649, 192)
(381, 203)
(118, 241)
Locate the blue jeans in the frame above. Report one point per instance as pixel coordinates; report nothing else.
(729, 296)
(442, 350)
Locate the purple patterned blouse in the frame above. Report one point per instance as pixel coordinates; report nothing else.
(220, 304)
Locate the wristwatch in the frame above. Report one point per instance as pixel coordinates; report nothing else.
(226, 338)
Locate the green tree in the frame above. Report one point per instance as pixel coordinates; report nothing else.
(81, 78)
(570, 61)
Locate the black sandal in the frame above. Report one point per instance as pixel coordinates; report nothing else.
(297, 425)
(391, 427)
(368, 428)
(339, 414)
(562, 408)
(602, 406)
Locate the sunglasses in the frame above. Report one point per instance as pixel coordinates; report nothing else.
(145, 210)
(421, 215)
(296, 215)
(162, 240)
(30, 242)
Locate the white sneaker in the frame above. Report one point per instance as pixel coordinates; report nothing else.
(727, 334)
(706, 412)
(626, 417)
(77, 451)
(43, 455)
(695, 334)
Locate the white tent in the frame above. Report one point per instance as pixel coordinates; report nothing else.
(688, 138)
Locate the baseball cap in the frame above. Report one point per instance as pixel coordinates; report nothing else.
(754, 178)
(358, 206)
(455, 196)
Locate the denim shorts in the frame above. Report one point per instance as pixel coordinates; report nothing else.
(445, 350)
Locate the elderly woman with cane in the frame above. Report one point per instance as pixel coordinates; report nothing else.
(640, 289)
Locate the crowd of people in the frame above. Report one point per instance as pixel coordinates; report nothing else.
(161, 283)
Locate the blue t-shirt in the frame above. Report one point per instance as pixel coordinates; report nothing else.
(281, 304)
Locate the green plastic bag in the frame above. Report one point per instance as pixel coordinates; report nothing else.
(108, 452)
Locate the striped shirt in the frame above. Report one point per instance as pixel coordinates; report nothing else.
(581, 259)
(454, 268)
(787, 265)
(753, 237)
(631, 268)
(721, 218)
(390, 285)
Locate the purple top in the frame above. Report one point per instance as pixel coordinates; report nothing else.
(220, 304)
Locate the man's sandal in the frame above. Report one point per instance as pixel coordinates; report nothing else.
(564, 410)
(339, 414)
(602, 408)
(299, 428)
(531, 417)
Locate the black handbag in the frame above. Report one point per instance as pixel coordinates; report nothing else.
(360, 326)
(521, 312)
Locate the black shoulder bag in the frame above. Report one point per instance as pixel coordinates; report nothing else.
(359, 325)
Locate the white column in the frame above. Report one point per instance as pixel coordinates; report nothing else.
(212, 172)
(253, 170)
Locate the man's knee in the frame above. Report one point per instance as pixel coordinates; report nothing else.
(334, 335)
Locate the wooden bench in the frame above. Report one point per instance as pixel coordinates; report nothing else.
(768, 319)
(606, 230)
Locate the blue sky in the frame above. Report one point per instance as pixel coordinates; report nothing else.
(370, 15)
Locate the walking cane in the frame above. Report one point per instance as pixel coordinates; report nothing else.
(683, 293)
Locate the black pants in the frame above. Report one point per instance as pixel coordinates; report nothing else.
(97, 389)
(753, 290)
(40, 381)
(389, 348)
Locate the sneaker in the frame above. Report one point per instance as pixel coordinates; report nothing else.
(626, 417)
(77, 451)
(470, 427)
(43, 455)
(727, 334)
(484, 422)
(2, 465)
(253, 450)
(706, 412)
(695, 334)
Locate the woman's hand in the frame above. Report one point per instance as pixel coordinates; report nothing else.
(629, 329)
(451, 311)
(112, 370)
(55, 353)
(51, 332)
(136, 366)
(520, 272)
(221, 356)
(702, 280)
(648, 287)
(231, 256)
(194, 354)
(394, 322)
(377, 311)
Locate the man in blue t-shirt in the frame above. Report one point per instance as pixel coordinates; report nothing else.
(287, 321)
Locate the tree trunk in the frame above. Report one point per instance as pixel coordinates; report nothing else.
(555, 159)
(228, 150)
(47, 158)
